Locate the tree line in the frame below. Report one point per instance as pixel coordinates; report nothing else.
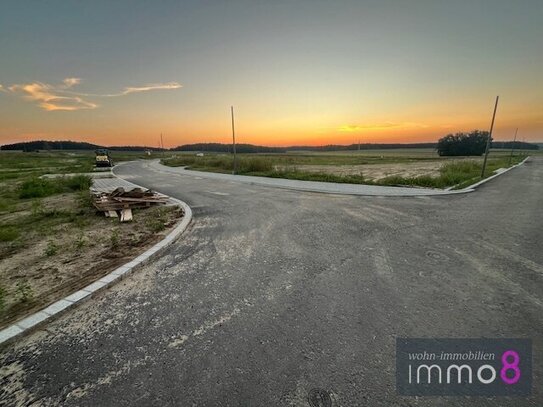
(472, 143)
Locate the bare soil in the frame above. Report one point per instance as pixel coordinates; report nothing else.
(377, 171)
(53, 261)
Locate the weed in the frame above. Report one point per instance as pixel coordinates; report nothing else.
(80, 241)
(24, 291)
(51, 249)
(36, 207)
(157, 223)
(2, 299)
(114, 239)
(84, 199)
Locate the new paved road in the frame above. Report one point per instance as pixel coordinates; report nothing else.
(271, 293)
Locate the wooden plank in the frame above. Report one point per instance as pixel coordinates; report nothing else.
(126, 215)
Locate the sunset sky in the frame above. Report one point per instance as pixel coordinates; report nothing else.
(297, 72)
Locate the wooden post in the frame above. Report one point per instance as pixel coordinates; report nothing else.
(513, 146)
(233, 140)
(489, 138)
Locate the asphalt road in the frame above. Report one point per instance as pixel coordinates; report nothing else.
(271, 293)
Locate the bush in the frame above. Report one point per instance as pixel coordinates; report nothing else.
(473, 143)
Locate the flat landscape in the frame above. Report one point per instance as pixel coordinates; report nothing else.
(403, 167)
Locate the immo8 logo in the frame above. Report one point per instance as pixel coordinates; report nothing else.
(455, 371)
(463, 366)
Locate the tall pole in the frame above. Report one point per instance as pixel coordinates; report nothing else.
(489, 137)
(162, 144)
(233, 139)
(513, 146)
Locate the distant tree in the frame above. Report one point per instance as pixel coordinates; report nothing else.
(473, 143)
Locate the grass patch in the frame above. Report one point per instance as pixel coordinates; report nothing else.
(316, 176)
(458, 174)
(267, 162)
(40, 187)
(2, 299)
(8, 234)
(158, 222)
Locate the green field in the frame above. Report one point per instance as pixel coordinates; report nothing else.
(441, 172)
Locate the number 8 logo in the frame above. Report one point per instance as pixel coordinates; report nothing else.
(510, 366)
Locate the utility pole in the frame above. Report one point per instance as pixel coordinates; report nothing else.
(162, 144)
(489, 138)
(358, 144)
(513, 146)
(233, 140)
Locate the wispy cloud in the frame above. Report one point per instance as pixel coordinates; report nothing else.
(69, 82)
(49, 98)
(129, 90)
(380, 126)
(154, 86)
(62, 97)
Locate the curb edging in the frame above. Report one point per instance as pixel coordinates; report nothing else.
(56, 309)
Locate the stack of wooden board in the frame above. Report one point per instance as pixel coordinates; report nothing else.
(123, 201)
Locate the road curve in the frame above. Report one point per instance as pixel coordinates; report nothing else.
(271, 293)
